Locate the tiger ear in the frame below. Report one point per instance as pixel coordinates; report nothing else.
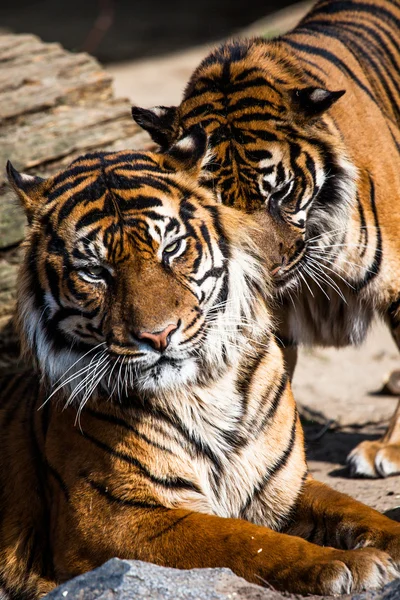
(161, 122)
(190, 152)
(313, 101)
(28, 188)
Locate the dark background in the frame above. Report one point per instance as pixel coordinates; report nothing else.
(115, 30)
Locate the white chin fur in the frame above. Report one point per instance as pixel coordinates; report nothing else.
(167, 377)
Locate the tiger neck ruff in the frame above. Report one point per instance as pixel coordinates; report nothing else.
(167, 431)
(306, 127)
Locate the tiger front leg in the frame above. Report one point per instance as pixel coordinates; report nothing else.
(381, 458)
(327, 517)
(186, 540)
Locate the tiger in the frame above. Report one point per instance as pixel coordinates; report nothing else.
(306, 127)
(157, 422)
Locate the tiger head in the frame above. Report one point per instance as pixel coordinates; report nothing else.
(275, 146)
(134, 278)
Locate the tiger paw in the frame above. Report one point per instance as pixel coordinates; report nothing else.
(374, 459)
(355, 571)
(385, 535)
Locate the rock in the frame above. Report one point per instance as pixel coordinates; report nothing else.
(389, 592)
(136, 580)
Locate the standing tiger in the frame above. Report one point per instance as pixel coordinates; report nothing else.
(325, 167)
(159, 424)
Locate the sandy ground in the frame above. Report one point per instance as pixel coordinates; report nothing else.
(338, 390)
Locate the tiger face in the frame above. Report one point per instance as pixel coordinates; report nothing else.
(275, 148)
(134, 279)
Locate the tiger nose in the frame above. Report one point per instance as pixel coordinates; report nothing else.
(158, 340)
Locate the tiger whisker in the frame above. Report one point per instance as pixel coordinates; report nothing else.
(305, 281)
(88, 394)
(72, 377)
(79, 359)
(353, 264)
(332, 271)
(315, 278)
(339, 230)
(319, 266)
(326, 278)
(111, 372)
(115, 384)
(100, 362)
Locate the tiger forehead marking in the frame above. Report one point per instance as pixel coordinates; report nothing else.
(114, 221)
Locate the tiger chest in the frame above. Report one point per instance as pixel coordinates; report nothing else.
(230, 487)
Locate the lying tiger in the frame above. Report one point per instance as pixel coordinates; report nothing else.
(325, 167)
(160, 424)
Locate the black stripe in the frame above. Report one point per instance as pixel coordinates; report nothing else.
(363, 238)
(201, 447)
(113, 420)
(358, 51)
(198, 333)
(169, 528)
(273, 407)
(332, 58)
(167, 482)
(376, 265)
(285, 342)
(192, 322)
(271, 472)
(216, 272)
(40, 538)
(8, 393)
(103, 491)
(245, 380)
(256, 116)
(59, 480)
(18, 399)
(351, 6)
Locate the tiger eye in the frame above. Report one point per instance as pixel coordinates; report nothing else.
(172, 247)
(95, 272)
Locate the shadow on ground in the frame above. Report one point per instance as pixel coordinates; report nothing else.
(335, 445)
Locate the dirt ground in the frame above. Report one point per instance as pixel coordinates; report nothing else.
(339, 391)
